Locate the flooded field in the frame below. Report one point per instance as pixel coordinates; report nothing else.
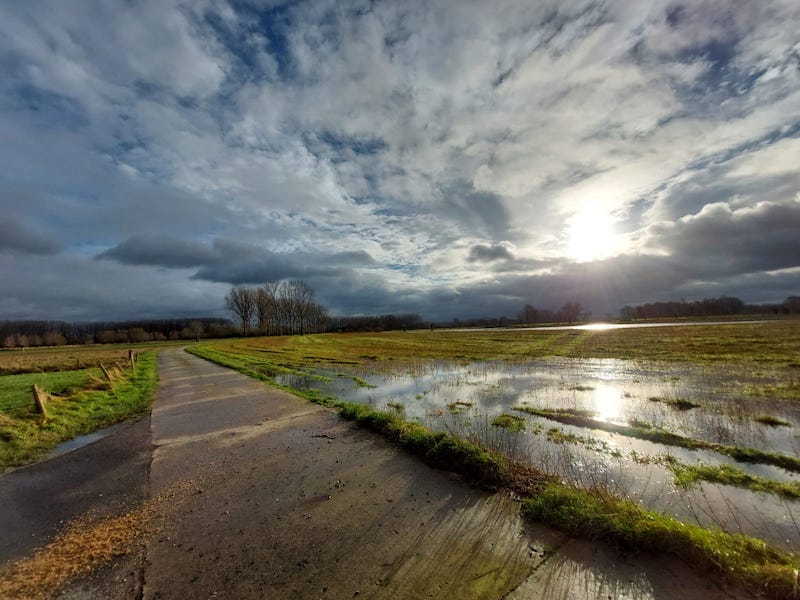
(636, 428)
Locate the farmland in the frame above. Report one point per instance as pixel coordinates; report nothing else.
(690, 430)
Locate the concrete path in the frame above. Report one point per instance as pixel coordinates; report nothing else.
(254, 493)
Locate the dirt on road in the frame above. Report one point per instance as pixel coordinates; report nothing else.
(250, 492)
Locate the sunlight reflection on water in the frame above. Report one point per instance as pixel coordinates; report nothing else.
(607, 403)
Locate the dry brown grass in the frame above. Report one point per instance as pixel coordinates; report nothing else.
(85, 545)
(69, 358)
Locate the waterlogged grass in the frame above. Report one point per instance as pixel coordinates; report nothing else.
(559, 436)
(660, 436)
(510, 422)
(458, 406)
(585, 513)
(688, 475)
(80, 403)
(772, 421)
(676, 403)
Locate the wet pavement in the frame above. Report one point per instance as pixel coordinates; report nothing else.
(254, 493)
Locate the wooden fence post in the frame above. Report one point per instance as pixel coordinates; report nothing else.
(105, 372)
(40, 399)
(132, 358)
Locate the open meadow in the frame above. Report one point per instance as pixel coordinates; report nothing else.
(674, 439)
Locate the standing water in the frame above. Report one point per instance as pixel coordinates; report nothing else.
(714, 406)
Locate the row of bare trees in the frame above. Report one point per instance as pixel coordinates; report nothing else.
(722, 306)
(569, 313)
(23, 334)
(279, 308)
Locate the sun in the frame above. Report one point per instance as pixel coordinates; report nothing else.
(591, 235)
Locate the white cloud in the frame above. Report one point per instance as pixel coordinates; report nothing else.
(413, 132)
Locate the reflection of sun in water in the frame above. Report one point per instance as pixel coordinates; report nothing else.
(607, 403)
(591, 235)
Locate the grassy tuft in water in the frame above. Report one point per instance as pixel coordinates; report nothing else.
(688, 475)
(676, 403)
(772, 421)
(510, 422)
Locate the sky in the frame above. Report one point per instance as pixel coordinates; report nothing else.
(451, 158)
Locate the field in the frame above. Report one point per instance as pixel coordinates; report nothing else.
(68, 358)
(674, 439)
(772, 343)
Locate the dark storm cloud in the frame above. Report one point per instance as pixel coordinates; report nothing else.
(17, 237)
(720, 241)
(487, 253)
(250, 264)
(228, 261)
(162, 252)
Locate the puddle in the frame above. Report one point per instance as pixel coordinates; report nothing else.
(464, 398)
(85, 440)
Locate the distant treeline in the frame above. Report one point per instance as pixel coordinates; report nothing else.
(708, 307)
(22, 334)
(529, 315)
(377, 323)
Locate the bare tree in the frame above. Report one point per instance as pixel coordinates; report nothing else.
(300, 297)
(527, 315)
(265, 310)
(570, 311)
(241, 301)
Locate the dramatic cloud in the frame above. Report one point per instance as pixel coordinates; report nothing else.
(487, 253)
(437, 157)
(16, 237)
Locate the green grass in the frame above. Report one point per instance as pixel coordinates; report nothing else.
(687, 475)
(583, 513)
(660, 436)
(510, 422)
(15, 390)
(85, 404)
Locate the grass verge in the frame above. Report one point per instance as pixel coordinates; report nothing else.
(660, 436)
(80, 403)
(594, 513)
(600, 515)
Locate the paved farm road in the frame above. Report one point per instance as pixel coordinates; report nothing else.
(250, 492)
